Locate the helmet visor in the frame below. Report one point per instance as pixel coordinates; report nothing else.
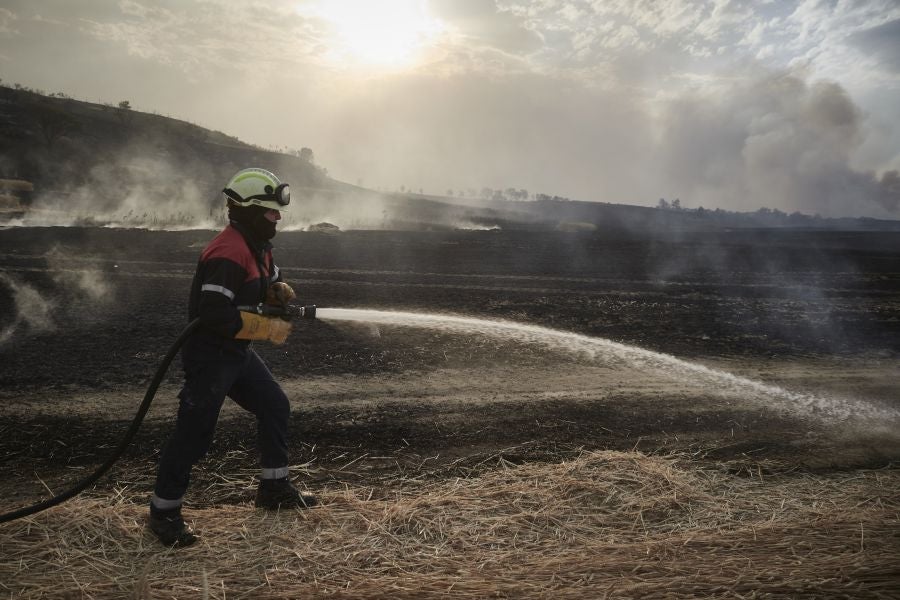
(283, 194)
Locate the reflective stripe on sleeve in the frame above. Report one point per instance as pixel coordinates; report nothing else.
(275, 273)
(208, 287)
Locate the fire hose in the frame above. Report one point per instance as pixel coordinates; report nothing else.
(286, 312)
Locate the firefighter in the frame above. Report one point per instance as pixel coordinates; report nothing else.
(236, 269)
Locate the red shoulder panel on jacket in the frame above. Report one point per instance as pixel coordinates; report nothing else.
(230, 244)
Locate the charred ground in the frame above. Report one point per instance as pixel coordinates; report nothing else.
(817, 310)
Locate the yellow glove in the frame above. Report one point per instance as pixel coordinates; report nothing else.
(279, 294)
(257, 327)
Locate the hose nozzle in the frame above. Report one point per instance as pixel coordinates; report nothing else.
(306, 312)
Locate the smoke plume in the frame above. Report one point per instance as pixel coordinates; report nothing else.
(135, 186)
(777, 142)
(76, 281)
(32, 309)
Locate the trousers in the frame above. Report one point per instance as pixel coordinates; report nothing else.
(244, 378)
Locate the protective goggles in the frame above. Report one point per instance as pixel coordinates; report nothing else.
(281, 195)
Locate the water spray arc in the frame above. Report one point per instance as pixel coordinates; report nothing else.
(594, 348)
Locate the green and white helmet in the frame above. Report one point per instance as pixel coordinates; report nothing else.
(257, 187)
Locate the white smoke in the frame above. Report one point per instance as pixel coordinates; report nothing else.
(346, 209)
(32, 309)
(747, 139)
(773, 141)
(762, 139)
(76, 281)
(140, 189)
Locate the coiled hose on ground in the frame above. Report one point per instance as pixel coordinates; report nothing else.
(126, 440)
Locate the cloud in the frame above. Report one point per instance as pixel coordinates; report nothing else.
(881, 41)
(7, 20)
(483, 23)
(825, 35)
(715, 101)
(204, 38)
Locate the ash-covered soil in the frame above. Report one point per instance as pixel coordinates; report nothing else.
(87, 313)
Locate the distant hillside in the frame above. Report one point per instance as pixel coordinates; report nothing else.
(575, 215)
(65, 161)
(61, 145)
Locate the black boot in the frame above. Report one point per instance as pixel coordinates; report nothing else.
(170, 528)
(281, 493)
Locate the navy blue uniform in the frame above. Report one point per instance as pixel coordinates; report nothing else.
(234, 270)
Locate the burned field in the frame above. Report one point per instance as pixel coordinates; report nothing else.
(388, 410)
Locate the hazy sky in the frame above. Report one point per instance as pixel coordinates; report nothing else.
(787, 104)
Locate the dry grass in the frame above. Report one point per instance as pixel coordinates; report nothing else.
(607, 524)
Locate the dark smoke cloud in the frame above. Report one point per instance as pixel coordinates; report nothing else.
(777, 141)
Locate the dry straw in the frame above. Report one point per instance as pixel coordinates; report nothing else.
(604, 525)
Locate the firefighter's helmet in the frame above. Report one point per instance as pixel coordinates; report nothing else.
(258, 187)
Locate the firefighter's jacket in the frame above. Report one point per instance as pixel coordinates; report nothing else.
(233, 270)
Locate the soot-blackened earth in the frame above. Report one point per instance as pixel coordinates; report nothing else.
(87, 313)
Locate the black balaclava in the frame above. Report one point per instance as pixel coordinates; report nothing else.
(253, 218)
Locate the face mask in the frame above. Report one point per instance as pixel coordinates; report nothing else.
(262, 228)
(254, 219)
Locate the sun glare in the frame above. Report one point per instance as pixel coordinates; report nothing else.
(388, 33)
